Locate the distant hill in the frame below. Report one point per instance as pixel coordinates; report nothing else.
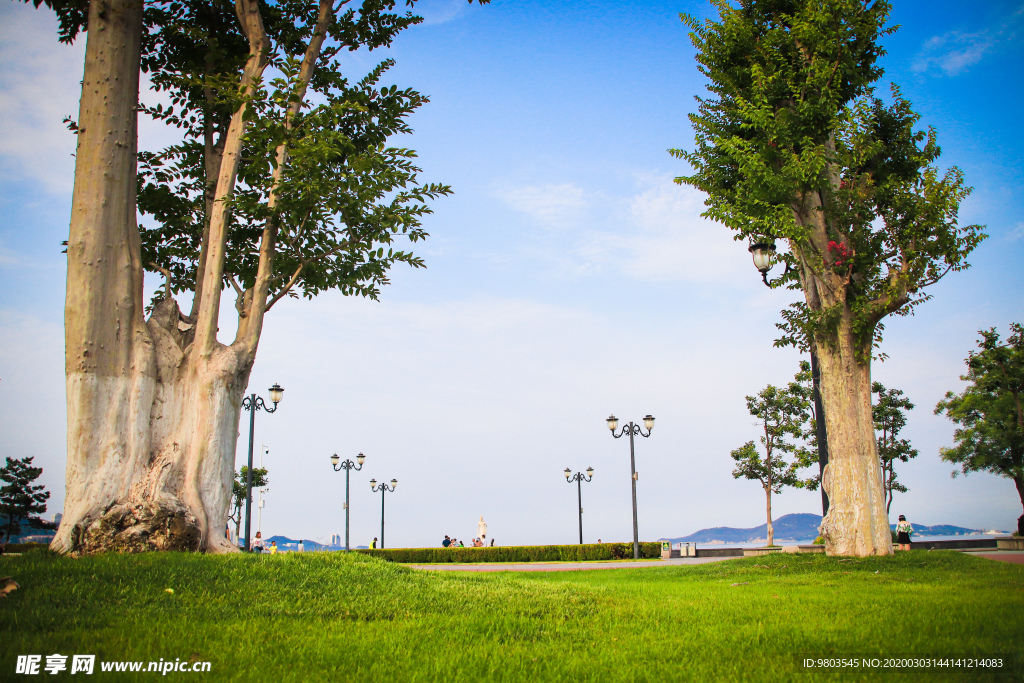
(798, 527)
(941, 530)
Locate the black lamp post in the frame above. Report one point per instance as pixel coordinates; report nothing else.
(347, 466)
(382, 488)
(632, 430)
(578, 478)
(252, 403)
(763, 254)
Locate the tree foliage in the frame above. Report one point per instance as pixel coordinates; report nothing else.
(259, 480)
(793, 144)
(889, 413)
(988, 413)
(782, 414)
(21, 501)
(345, 195)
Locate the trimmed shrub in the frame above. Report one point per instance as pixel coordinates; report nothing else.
(521, 553)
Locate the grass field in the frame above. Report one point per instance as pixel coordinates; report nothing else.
(327, 616)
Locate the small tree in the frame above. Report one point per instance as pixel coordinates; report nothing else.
(989, 415)
(782, 414)
(20, 500)
(259, 480)
(890, 417)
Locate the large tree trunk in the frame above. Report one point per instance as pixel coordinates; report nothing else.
(856, 523)
(152, 427)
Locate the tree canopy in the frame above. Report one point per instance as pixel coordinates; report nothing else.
(782, 414)
(889, 412)
(793, 144)
(989, 413)
(21, 501)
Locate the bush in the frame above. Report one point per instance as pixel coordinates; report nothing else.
(522, 553)
(18, 548)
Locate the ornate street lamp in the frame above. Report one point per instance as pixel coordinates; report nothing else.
(632, 430)
(578, 478)
(347, 466)
(764, 255)
(383, 488)
(252, 403)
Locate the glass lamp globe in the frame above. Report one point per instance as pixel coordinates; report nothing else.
(360, 458)
(276, 393)
(649, 422)
(335, 459)
(613, 422)
(394, 483)
(763, 253)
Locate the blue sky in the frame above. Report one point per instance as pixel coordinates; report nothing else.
(567, 278)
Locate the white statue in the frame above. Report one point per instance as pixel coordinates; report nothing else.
(481, 528)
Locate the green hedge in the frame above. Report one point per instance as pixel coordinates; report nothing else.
(521, 553)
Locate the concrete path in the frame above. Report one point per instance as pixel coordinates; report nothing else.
(1012, 556)
(565, 566)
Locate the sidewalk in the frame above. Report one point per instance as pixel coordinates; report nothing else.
(565, 566)
(1012, 556)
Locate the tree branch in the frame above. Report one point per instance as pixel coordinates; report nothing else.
(167, 276)
(248, 12)
(249, 334)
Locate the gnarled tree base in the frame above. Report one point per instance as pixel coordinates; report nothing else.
(139, 528)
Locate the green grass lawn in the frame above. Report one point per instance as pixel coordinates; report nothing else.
(327, 616)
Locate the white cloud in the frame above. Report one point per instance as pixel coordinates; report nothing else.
(673, 242)
(553, 206)
(955, 52)
(441, 11)
(1017, 232)
(39, 86)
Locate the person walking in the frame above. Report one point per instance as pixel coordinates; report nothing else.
(374, 543)
(904, 530)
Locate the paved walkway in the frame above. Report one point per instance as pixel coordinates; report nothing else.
(1013, 556)
(564, 566)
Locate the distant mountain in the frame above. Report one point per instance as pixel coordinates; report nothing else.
(941, 530)
(799, 526)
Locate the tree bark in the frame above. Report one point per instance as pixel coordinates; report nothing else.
(856, 523)
(153, 406)
(771, 528)
(152, 425)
